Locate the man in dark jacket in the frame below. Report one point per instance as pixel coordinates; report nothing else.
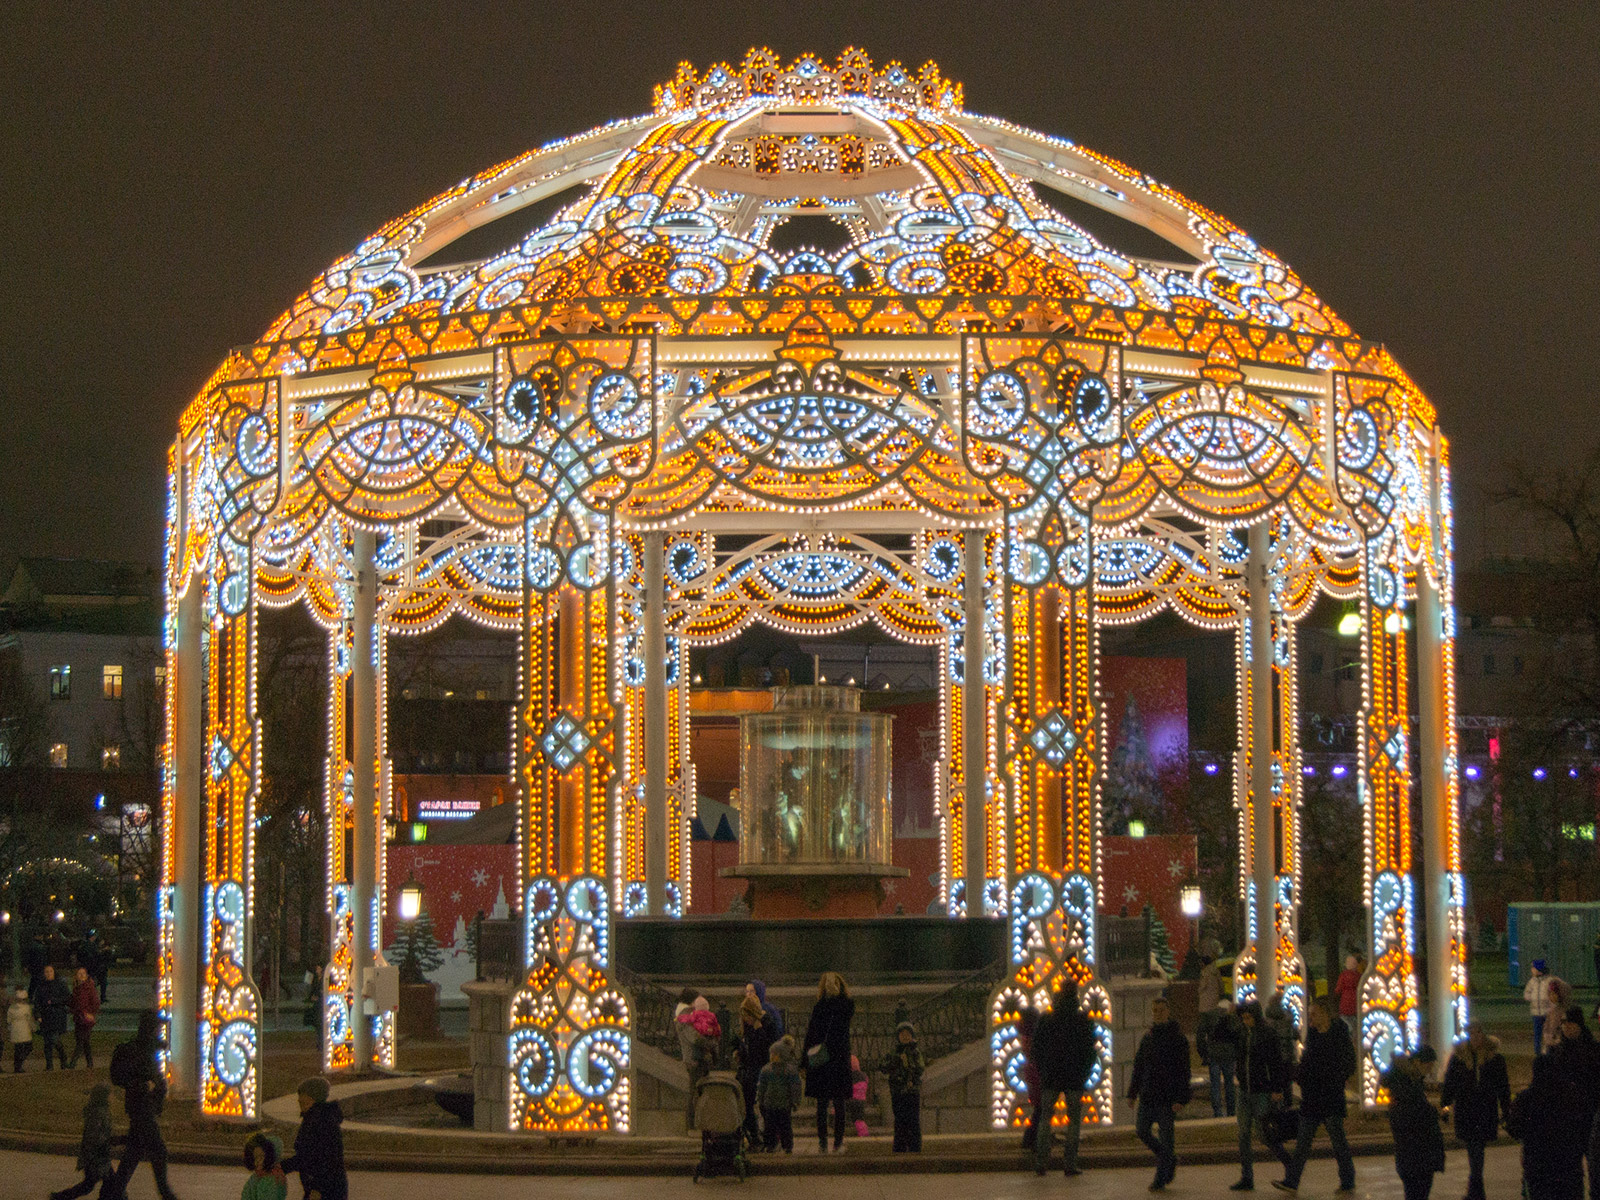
(1262, 1074)
(1161, 1086)
(1477, 1091)
(54, 1003)
(1065, 1053)
(1326, 1063)
(135, 1070)
(1414, 1123)
(1552, 1146)
(319, 1144)
(1577, 1058)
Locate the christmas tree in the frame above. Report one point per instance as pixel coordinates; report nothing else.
(1160, 945)
(415, 949)
(1132, 789)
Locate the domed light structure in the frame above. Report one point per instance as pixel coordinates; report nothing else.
(810, 345)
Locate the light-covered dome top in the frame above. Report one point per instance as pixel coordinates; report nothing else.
(766, 181)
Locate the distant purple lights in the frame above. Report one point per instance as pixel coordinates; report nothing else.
(1539, 772)
(1338, 770)
(1471, 772)
(1211, 768)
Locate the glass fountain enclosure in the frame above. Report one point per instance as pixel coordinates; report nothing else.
(814, 782)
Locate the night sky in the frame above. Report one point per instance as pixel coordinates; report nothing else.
(168, 188)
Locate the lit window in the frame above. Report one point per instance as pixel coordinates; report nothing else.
(161, 674)
(58, 754)
(61, 683)
(111, 681)
(110, 758)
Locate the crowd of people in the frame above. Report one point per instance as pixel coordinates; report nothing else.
(318, 1153)
(776, 1071)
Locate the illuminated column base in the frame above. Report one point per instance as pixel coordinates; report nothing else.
(570, 1047)
(1051, 944)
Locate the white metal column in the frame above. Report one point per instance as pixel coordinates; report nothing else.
(364, 767)
(974, 723)
(189, 803)
(1435, 797)
(655, 724)
(1264, 863)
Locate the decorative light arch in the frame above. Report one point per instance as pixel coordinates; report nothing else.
(643, 425)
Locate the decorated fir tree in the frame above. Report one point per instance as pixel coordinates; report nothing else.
(1160, 944)
(415, 949)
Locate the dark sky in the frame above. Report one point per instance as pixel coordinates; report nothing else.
(167, 188)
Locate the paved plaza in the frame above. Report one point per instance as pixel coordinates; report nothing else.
(35, 1175)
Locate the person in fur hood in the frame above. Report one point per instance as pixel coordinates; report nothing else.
(1477, 1094)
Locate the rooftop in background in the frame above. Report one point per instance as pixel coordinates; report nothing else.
(83, 595)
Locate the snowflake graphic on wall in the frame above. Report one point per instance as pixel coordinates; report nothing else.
(1176, 867)
(1130, 894)
(455, 897)
(480, 878)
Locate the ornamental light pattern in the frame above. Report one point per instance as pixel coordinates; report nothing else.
(966, 419)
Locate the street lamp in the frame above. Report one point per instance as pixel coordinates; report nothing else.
(1190, 901)
(1350, 622)
(409, 903)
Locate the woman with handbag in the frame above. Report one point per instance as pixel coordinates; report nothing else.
(825, 1057)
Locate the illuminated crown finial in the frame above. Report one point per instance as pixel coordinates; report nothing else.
(809, 79)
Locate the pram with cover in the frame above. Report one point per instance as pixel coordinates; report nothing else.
(719, 1115)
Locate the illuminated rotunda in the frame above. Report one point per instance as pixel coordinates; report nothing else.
(644, 426)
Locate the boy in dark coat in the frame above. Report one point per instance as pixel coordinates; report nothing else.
(1328, 1061)
(1477, 1091)
(1418, 1140)
(319, 1144)
(903, 1065)
(777, 1096)
(94, 1147)
(135, 1069)
(1065, 1052)
(1161, 1086)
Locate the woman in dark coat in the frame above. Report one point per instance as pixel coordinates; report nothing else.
(1477, 1091)
(825, 1057)
(757, 1032)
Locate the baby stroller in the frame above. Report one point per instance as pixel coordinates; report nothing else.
(719, 1114)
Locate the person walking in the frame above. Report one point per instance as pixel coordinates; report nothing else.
(54, 1003)
(1537, 994)
(20, 1025)
(1552, 1148)
(1576, 1055)
(319, 1144)
(1328, 1061)
(757, 1033)
(94, 1145)
(1262, 1074)
(1477, 1093)
(1160, 1084)
(904, 1066)
(135, 1069)
(1216, 1041)
(1208, 991)
(778, 1095)
(85, 1007)
(1027, 1022)
(825, 1057)
(1414, 1123)
(1065, 1050)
